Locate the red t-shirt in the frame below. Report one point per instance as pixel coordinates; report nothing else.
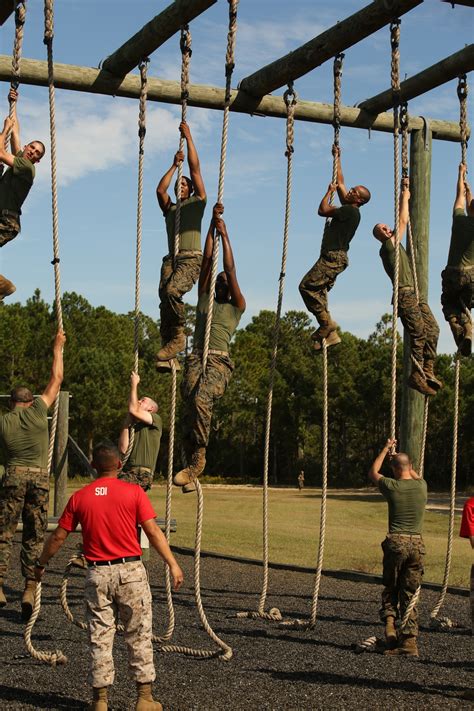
(467, 522)
(109, 511)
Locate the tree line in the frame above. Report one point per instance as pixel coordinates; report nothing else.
(99, 358)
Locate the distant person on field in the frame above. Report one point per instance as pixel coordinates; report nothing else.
(15, 183)
(333, 259)
(403, 547)
(179, 275)
(458, 277)
(415, 315)
(301, 480)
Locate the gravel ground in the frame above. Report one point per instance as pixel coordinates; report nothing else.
(272, 668)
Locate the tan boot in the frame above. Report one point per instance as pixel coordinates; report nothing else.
(390, 633)
(164, 366)
(145, 700)
(326, 326)
(172, 348)
(3, 599)
(418, 382)
(28, 599)
(433, 382)
(99, 699)
(406, 648)
(193, 470)
(7, 287)
(465, 347)
(332, 340)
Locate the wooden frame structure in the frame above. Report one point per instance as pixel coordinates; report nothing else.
(252, 97)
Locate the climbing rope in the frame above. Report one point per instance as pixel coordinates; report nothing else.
(395, 81)
(290, 98)
(20, 17)
(76, 562)
(143, 65)
(229, 68)
(50, 657)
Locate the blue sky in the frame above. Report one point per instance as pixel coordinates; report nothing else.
(97, 153)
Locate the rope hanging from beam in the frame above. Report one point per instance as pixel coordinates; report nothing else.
(435, 621)
(20, 17)
(291, 99)
(56, 657)
(311, 622)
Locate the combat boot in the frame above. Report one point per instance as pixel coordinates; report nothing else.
(145, 700)
(417, 382)
(164, 366)
(193, 470)
(326, 326)
(406, 648)
(457, 331)
(173, 347)
(390, 633)
(3, 599)
(332, 340)
(28, 599)
(99, 699)
(465, 347)
(6, 287)
(433, 382)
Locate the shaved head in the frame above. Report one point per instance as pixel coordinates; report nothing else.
(401, 461)
(105, 457)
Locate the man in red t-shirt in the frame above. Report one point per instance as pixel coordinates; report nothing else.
(467, 531)
(109, 511)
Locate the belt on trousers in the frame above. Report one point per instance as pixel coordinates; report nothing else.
(10, 213)
(211, 351)
(187, 251)
(24, 469)
(138, 469)
(115, 561)
(403, 535)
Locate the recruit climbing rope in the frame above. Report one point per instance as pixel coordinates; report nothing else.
(57, 657)
(435, 621)
(290, 98)
(20, 17)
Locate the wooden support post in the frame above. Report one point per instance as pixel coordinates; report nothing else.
(60, 455)
(67, 76)
(153, 35)
(6, 9)
(326, 45)
(461, 62)
(411, 425)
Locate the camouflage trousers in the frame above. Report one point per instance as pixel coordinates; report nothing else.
(174, 283)
(421, 325)
(199, 393)
(9, 228)
(402, 574)
(138, 475)
(457, 292)
(320, 279)
(24, 493)
(112, 592)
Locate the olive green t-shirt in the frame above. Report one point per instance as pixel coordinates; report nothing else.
(225, 319)
(406, 503)
(405, 274)
(24, 435)
(146, 444)
(461, 249)
(16, 183)
(342, 228)
(192, 211)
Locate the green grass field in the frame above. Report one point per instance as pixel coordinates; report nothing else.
(356, 525)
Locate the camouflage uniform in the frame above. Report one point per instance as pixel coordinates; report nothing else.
(25, 491)
(138, 475)
(421, 325)
(199, 393)
(9, 228)
(457, 293)
(320, 279)
(174, 283)
(402, 574)
(121, 589)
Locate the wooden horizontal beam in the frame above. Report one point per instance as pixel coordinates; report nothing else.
(95, 81)
(153, 35)
(326, 45)
(6, 9)
(459, 63)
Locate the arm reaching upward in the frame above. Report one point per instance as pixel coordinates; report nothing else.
(164, 199)
(134, 409)
(57, 370)
(206, 266)
(341, 186)
(5, 156)
(193, 162)
(404, 210)
(325, 208)
(236, 296)
(15, 143)
(460, 201)
(374, 471)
